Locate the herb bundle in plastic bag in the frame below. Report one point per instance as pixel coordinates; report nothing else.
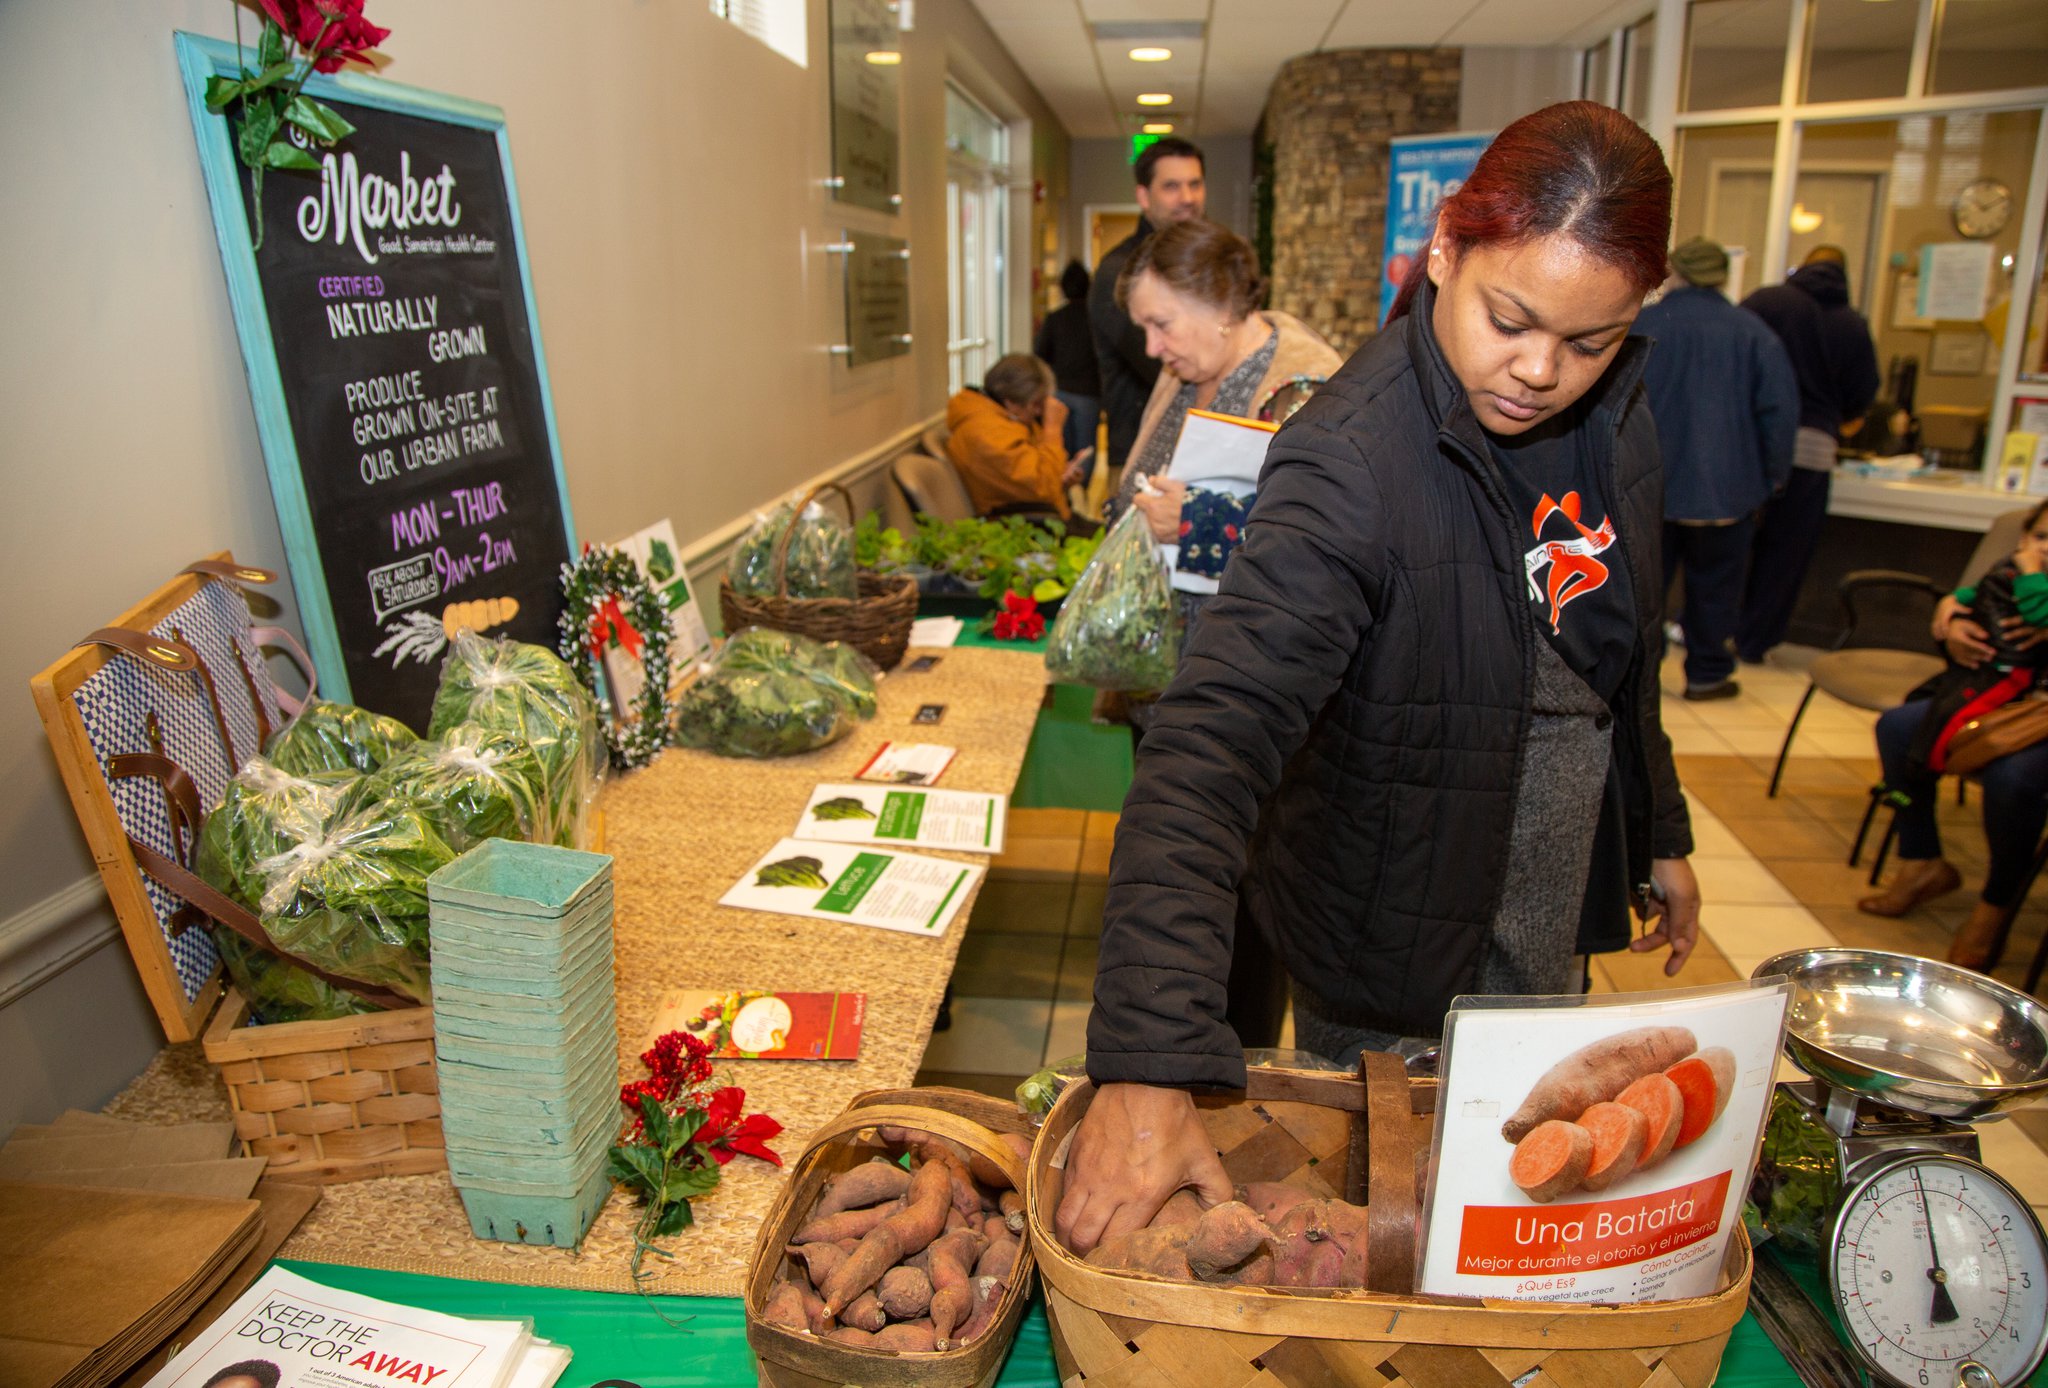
(327, 736)
(529, 692)
(834, 664)
(1120, 626)
(759, 713)
(820, 560)
(472, 783)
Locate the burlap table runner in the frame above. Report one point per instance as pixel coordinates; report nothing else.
(682, 831)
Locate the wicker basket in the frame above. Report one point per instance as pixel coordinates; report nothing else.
(877, 623)
(789, 1359)
(1127, 1328)
(332, 1101)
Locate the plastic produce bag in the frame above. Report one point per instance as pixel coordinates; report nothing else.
(527, 691)
(471, 784)
(1120, 627)
(264, 811)
(276, 989)
(833, 664)
(820, 562)
(760, 713)
(327, 736)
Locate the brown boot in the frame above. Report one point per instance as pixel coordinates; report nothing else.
(1977, 942)
(1917, 882)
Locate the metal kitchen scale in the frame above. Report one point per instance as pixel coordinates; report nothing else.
(1937, 1267)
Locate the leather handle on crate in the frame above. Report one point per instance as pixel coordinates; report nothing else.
(233, 573)
(238, 918)
(1391, 1210)
(938, 1123)
(160, 651)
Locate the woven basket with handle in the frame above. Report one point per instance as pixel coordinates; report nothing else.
(1332, 1133)
(877, 623)
(791, 1359)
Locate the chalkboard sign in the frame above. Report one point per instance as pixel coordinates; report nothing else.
(394, 356)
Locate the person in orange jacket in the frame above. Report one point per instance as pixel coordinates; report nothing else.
(1005, 439)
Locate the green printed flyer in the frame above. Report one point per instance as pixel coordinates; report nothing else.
(849, 882)
(966, 821)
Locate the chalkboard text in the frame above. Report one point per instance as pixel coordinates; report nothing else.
(350, 201)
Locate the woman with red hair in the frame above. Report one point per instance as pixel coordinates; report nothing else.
(1415, 739)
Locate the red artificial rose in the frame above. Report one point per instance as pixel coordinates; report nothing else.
(348, 41)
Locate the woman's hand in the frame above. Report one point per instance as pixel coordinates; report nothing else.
(1675, 910)
(1137, 1145)
(1077, 467)
(1969, 645)
(1946, 611)
(1162, 512)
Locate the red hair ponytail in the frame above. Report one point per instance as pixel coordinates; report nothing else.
(1579, 168)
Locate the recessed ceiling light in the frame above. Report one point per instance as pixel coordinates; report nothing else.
(1155, 98)
(1157, 127)
(1150, 55)
(885, 57)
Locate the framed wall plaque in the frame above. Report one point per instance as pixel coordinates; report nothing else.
(867, 49)
(877, 297)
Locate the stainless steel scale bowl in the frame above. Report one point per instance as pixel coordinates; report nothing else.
(1911, 1033)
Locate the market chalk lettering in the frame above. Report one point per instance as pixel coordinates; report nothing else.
(350, 200)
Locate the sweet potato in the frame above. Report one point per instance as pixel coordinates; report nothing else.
(1272, 1199)
(785, 1307)
(1161, 1252)
(847, 1224)
(1618, 1133)
(999, 1259)
(865, 1311)
(1598, 1072)
(952, 1263)
(906, 1337)
(815, 1314)
(905, 1292)
(1012, 1206)
(1704, 1082)
(817, 1259)
(1658, 1100)
(1223, 1238)
(852, 1335)
(1551, 1160)
(910, 1228)
(1305, 1262)
(864, 1186)
(988, 1295)
(966, 1196)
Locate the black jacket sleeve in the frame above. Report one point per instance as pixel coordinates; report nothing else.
(1267, 654)
(1671, 822)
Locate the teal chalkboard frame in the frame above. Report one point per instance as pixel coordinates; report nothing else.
(200, 58)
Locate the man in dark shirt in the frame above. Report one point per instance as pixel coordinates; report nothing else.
(1066, 343)
(1835, 362)
(1170, 190)
(1726, 404)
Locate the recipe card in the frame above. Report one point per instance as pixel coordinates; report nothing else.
(748, 1024)
(907, 763)
(966, 821)
(846, 882)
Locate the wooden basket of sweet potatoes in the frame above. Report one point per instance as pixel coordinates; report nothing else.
(897, 1252)
(1308, 1277)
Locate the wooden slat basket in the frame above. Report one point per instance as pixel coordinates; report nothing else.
(326, 1101)
(876, 623)
(1123, 1330)
(790, 1359)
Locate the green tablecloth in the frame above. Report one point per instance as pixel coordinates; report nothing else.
(624, 1337)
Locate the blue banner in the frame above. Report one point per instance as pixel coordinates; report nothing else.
(1422, 171)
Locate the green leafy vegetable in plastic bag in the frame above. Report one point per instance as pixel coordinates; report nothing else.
(529, 692)
(327, 736)
(279, 991)
(473, 783)
(759, 713)
(1120, 627)
(834, 664)
(820, 560)
(1798, 1175)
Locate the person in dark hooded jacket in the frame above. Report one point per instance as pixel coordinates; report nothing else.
(1836, 364)
(1415, 739)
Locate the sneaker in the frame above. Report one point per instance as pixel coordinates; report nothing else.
(1725, 689)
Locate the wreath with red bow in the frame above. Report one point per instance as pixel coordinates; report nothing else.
(607, 601)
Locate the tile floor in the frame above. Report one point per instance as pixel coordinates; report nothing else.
(1773, 872)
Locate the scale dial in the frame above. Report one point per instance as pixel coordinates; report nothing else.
(1937, 1264)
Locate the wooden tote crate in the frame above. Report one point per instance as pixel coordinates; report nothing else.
(325, 1101)
(1330, 1132)
(789, 1359)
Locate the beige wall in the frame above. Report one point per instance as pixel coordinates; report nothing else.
(670, 175)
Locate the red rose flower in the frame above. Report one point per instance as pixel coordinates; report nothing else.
(728, 1135)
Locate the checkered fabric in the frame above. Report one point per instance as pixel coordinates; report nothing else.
(116, 705)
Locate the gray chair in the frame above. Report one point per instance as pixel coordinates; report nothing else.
(933, 486)
(1879, 678)
(933, 441)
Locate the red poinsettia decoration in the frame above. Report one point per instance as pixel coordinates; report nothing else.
(1019, 619)
(684, 1130)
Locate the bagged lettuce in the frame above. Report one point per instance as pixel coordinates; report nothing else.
(527, 691)
(820, 561)
(279, 991)
(759, 713)
(472, 783)
(327, 736)
(1120, 626)
(834, 664)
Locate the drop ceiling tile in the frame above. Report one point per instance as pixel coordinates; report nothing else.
(1518, 22)
(1135, 11)
(1397, 23)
